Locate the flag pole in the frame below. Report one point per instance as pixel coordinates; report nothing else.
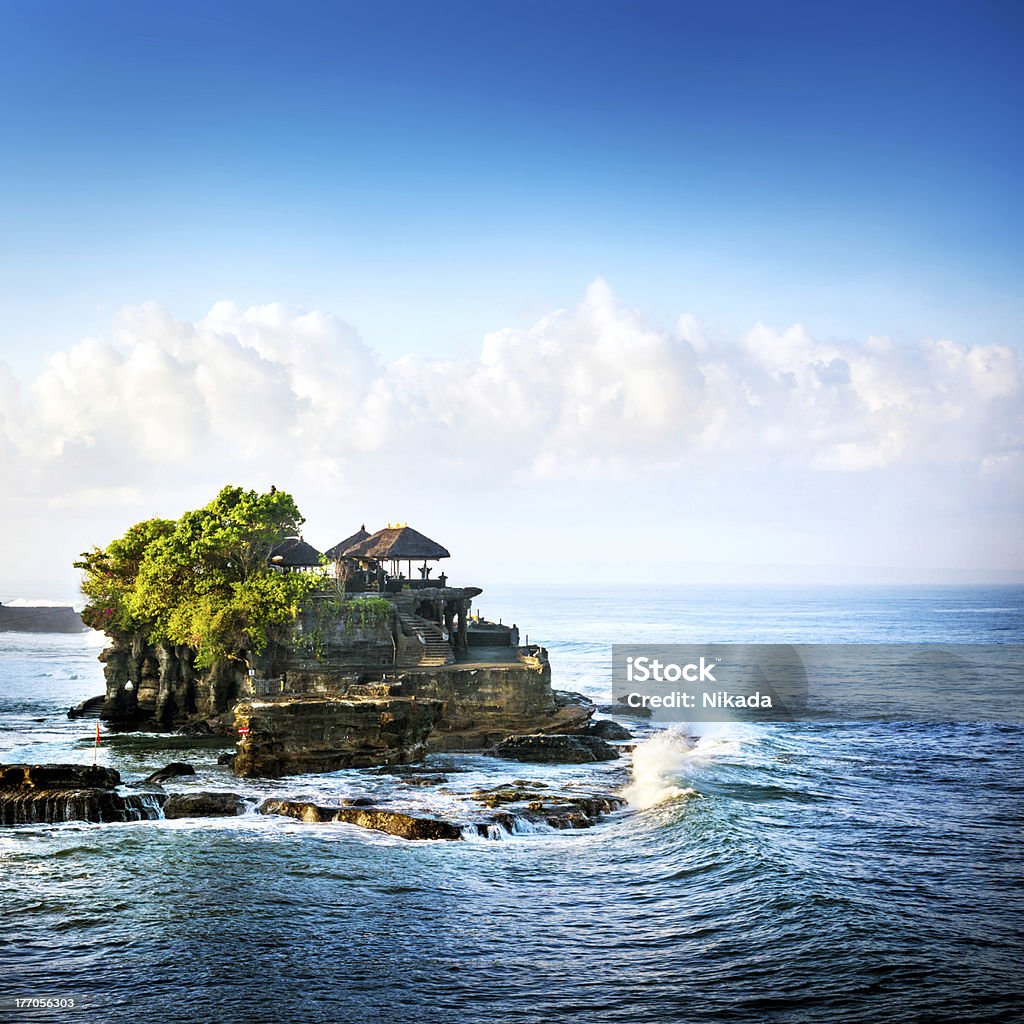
(96, 747)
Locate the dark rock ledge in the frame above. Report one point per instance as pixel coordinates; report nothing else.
(50, 794)
(557, 749)
(606, 729)
(174, 770)
(89, 708)
(519, 808)
(42, 794)
(204, 805)
(293, 736)
(538, 804)
(395, 823)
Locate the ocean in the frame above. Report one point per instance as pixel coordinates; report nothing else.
(808, 871)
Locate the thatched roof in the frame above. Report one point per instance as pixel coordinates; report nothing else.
(342, 546)
(294, 553)
(398, 542)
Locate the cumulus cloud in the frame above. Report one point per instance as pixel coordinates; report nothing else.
(588, 390)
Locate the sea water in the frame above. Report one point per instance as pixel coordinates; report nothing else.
(808, 871)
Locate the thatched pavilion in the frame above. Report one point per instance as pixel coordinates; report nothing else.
(338, 551)
(395, 545)
(293, 554)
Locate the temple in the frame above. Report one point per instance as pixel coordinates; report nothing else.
(396, 563)
(383, 662)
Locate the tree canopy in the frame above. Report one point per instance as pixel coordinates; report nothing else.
(203, 580)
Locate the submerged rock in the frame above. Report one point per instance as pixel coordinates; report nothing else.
(422, 780)
(204, 805)
(45, 794)
(556, 749)
(592, 805)
(395, 823)
(518, 792)
(624, 711)
(434, 766)
(217, 725)
(535, 803)
(525, 807)
(295, 735)
(173, 770)
(608, 730)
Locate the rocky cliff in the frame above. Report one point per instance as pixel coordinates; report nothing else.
(158, 685)
(295, 735)
(484, 702)
(354, 683)
(328, 649)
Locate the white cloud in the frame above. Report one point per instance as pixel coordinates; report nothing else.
(587, 391)
(578, 390)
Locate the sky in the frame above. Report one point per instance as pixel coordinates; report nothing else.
(660, 292)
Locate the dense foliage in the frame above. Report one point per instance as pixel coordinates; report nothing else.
(368, 611)
(203, 580)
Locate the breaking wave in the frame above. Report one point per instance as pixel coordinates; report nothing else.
(659, 762)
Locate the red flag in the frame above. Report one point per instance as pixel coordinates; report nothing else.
(97, 732)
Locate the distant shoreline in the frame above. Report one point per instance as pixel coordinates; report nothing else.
(40, 619)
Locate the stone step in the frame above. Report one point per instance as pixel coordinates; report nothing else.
(435, 650)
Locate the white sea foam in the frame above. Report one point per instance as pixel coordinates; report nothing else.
(472, 834)
(659, 761)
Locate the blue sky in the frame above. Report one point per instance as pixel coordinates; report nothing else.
(431, 173)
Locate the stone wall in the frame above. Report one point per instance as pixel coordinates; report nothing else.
(324, 648)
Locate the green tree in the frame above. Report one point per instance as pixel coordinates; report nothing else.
(110, 574)
(203, 580)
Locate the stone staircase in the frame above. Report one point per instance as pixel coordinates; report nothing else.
(434, 650)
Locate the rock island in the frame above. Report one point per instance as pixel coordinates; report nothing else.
(228, 621)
